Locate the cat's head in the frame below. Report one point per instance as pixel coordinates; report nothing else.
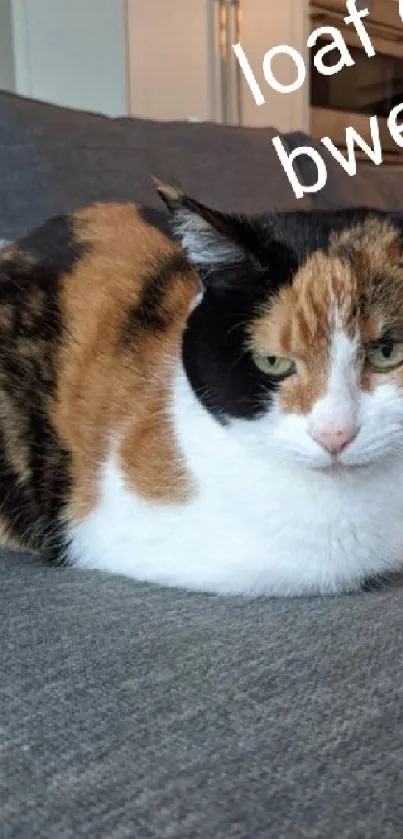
(296, 341)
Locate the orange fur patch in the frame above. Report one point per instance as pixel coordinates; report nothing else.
(114, 380)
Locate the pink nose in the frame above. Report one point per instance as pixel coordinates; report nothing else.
(334, 440)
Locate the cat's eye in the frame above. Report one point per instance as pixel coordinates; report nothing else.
(274, 365)
(386, 356)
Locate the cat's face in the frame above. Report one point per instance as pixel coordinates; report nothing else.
(296, 342)
(335, 336)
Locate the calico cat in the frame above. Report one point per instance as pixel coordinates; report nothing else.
(220, 408)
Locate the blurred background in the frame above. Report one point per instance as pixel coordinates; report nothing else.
(173, 61)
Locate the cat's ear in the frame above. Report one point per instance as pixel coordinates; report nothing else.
(211, 239)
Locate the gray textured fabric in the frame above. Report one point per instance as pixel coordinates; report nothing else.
(54, 160)
(130, 711)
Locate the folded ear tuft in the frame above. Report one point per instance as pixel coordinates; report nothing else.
(209, 238)
(169, 194)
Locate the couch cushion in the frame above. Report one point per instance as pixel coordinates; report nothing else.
(54, 160)
(388, 181)
(133, 712)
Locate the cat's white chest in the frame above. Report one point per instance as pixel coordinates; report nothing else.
(256, 526)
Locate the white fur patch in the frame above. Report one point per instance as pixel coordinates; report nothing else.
(268, 517)
(339, 406)
(204, 245)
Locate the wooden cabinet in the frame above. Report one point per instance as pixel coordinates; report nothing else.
(159, 59)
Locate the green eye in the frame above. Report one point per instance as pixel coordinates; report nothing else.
(385, 357)
(274, 365)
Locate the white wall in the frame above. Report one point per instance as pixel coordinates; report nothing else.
(72, 52)
(6, 47)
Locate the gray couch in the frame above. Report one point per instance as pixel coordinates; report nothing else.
(132, 712)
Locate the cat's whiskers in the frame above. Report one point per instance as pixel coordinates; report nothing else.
(242, 324)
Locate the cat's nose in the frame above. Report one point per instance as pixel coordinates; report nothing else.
(335, 439)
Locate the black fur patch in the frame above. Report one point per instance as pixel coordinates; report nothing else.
(219, 367)
(381, 581)
(151, 313)
(34, 466)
